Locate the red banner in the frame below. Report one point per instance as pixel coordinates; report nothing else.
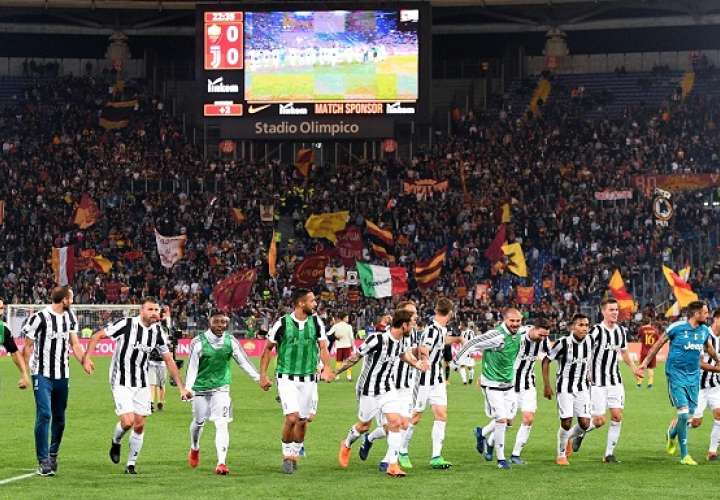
(685, 182)
(232, 293)
(310, 270)
(349, 245)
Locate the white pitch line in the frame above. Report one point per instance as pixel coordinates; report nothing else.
(16, 478)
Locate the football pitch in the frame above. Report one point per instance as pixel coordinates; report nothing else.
(254, 458)
(396, 78)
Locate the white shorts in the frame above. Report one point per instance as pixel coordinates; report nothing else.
(405, 401)
(215, 406)
(572, 405)
(500, 404)
(370, 407)
(435, 395)
(708, 398)
(157, 373)
(611, 396)
(131, 400)
(526, 401)
(297, 396)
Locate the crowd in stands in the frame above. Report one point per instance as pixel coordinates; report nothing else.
(547, 167)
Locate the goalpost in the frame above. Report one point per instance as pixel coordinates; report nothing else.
(91, 316)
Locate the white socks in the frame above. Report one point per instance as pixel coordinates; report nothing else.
(352, 436)
(405, 438)
(714, 437)
(562, 439)
(438, 436)
(378, 433)
(499, 435)
(222, 441)
(119, 433)
(488, 432)
(521, 439)
(196, 429)
(394, 439)
(463, 375)
(136, 443)
(613, 437)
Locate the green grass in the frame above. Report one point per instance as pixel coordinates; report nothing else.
(333, 83)
(254, 458)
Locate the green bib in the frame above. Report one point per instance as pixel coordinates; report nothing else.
(213, 368)
(298, 350)
(2, 332)
(498, 365)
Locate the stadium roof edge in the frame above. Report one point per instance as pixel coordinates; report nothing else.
(191, 4)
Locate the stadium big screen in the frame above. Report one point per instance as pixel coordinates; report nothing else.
(324, 70)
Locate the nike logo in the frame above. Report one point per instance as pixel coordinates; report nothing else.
(255, 109)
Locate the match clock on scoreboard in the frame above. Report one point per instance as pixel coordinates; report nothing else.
(223, 33)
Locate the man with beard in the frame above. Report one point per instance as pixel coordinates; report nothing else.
(688, 339)
(135, 339)
(299, 338)
(48, 335)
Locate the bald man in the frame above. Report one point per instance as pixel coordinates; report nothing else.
(500, 346)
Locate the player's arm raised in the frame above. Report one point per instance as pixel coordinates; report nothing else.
(651, 355)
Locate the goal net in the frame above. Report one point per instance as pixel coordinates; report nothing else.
(91, 317)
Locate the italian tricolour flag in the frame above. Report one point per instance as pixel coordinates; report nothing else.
(379, 281)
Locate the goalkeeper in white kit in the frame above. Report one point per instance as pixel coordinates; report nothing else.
(209, 376)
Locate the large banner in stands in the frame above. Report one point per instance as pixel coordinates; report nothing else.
(255, 347)
(680, 182)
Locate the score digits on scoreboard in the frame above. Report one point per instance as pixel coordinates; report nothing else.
(223, 33)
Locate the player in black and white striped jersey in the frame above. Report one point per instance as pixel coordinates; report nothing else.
(573, 354)
(135, 339)
(607, 391)
(376, 390)
(466, 368)
(404, 382)
(709, 396)
(48, 335)
(430, 386)
(534, 343)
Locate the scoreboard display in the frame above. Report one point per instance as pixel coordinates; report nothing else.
(270, 66)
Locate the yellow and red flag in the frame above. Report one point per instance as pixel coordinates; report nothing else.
(626, 303)
(681, 288)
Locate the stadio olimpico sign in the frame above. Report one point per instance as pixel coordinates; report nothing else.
(328, 128)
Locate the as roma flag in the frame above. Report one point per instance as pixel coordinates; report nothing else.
(87, 212)
(232, 293)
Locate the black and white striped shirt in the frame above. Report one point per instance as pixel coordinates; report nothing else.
(380, 352)
(404, 373)
(530, 351)
(433, 337)
(607, 347)
(51, 333)
(573, 357)
(134, 342)
(710, 379)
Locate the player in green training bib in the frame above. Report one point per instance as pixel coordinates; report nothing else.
(299, 339)
(209, 377)
(500, 346)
